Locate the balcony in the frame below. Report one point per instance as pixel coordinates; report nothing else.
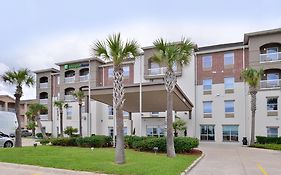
(43, 101)
(270, 57)
(157, 71)
(84, 78)
(270, 84)
(69, 98)
(12, 110)
(69, 79)
(43, 85)
(44, 117)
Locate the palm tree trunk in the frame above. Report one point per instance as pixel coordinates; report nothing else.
(80, 119)
(119, 150)
(170, 135)
(33, 132)
(61, 123)
(18, 142)
(253, 93)
(39, 124)
(118, 95)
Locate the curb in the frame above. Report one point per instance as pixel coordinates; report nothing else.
(186, 171)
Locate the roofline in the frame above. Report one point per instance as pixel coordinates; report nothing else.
(80, 60)
(46, 70)
(259, 33)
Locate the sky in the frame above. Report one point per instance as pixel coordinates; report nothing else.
(36, 34)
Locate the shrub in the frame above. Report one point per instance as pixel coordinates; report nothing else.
(44, 141)
(70, 130)
(182, 144)
(94, 141)
(39, 135)
(129, 140)
(268, 140)
(70, 141)
(185, 144)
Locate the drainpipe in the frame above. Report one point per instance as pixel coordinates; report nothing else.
(195, 91)
(245, 98)
(89, 121)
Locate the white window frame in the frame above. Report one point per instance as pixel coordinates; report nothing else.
(226, 84)
(227, 55)
(205, 102)
(267, 104)
(110, 72)
(69, 111)
(204, 85)
(270, 134)
(231, 133)
(228, 101)
(126, 71)
(208, 135)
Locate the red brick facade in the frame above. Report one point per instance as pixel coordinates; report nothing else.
(218, 71)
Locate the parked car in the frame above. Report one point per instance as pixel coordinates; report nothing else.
(6, 142)
(25, 133)
(3, 134)
(8, 123)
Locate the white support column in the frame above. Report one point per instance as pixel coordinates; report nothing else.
(140, 96)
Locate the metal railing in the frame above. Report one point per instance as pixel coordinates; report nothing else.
(69, 79)
(270, 57)
(84, 78)
(43, 117)
(267, 84)
(43, 101)
(159, 71)
(69, 98)
(43, 85)
(11, 110)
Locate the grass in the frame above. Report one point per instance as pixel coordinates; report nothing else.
(98, 160)
(269, 146)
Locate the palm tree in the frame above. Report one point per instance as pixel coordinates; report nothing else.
(252, 78)
(31, 122)
(60, 104)
(79, 95)
(19, 79)
(34, 110)
(171, 55)
(116, 50)
(179, 125)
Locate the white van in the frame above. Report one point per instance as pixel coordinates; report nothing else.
(8, 123)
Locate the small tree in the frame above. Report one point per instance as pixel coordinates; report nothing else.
(70, 130)
(60, 104)
(179, 125)
(79, 95)
(31, 125)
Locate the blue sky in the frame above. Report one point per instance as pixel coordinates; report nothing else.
(36, 33)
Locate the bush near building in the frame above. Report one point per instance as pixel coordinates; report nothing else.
(268, 140)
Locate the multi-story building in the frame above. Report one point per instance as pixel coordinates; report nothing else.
(210, 94)
(7, 103)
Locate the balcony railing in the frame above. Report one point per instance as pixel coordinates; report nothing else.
(270, 57)
(69, 98)
(43, 117)
(11, 110)
(69, 79)
(43, 101)
(267, 84)
(159, 71)
(84, 78)
(2, 108)
(43, 85)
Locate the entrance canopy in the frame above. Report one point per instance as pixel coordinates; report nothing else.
(154, 97)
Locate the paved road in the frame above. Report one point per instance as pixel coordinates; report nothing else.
(15, 169)
(229, 159)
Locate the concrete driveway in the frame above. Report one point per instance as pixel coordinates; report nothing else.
(230, 159)
(16, 169)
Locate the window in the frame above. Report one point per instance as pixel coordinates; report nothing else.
(207, 132)
(272, 104)
(126, 71)
(110, 131)
(155, 131)
(229, 83)
(207, 107)
(125, 113)
(229, 106)
(110, 72)
(228, 58)
(155, 114)
(207, 85)
(230, 133)
(207, 61)
(272, 53)
(272, 131)
(110, 112)
(125, 129)
(69, 112)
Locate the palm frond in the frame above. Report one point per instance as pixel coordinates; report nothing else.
(252, 76)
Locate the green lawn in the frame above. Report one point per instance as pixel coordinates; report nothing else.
(269, 146)
(98, 160)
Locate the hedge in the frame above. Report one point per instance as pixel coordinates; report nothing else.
(93, 141)
(182, 144)
(129, 140)
(268, 140)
